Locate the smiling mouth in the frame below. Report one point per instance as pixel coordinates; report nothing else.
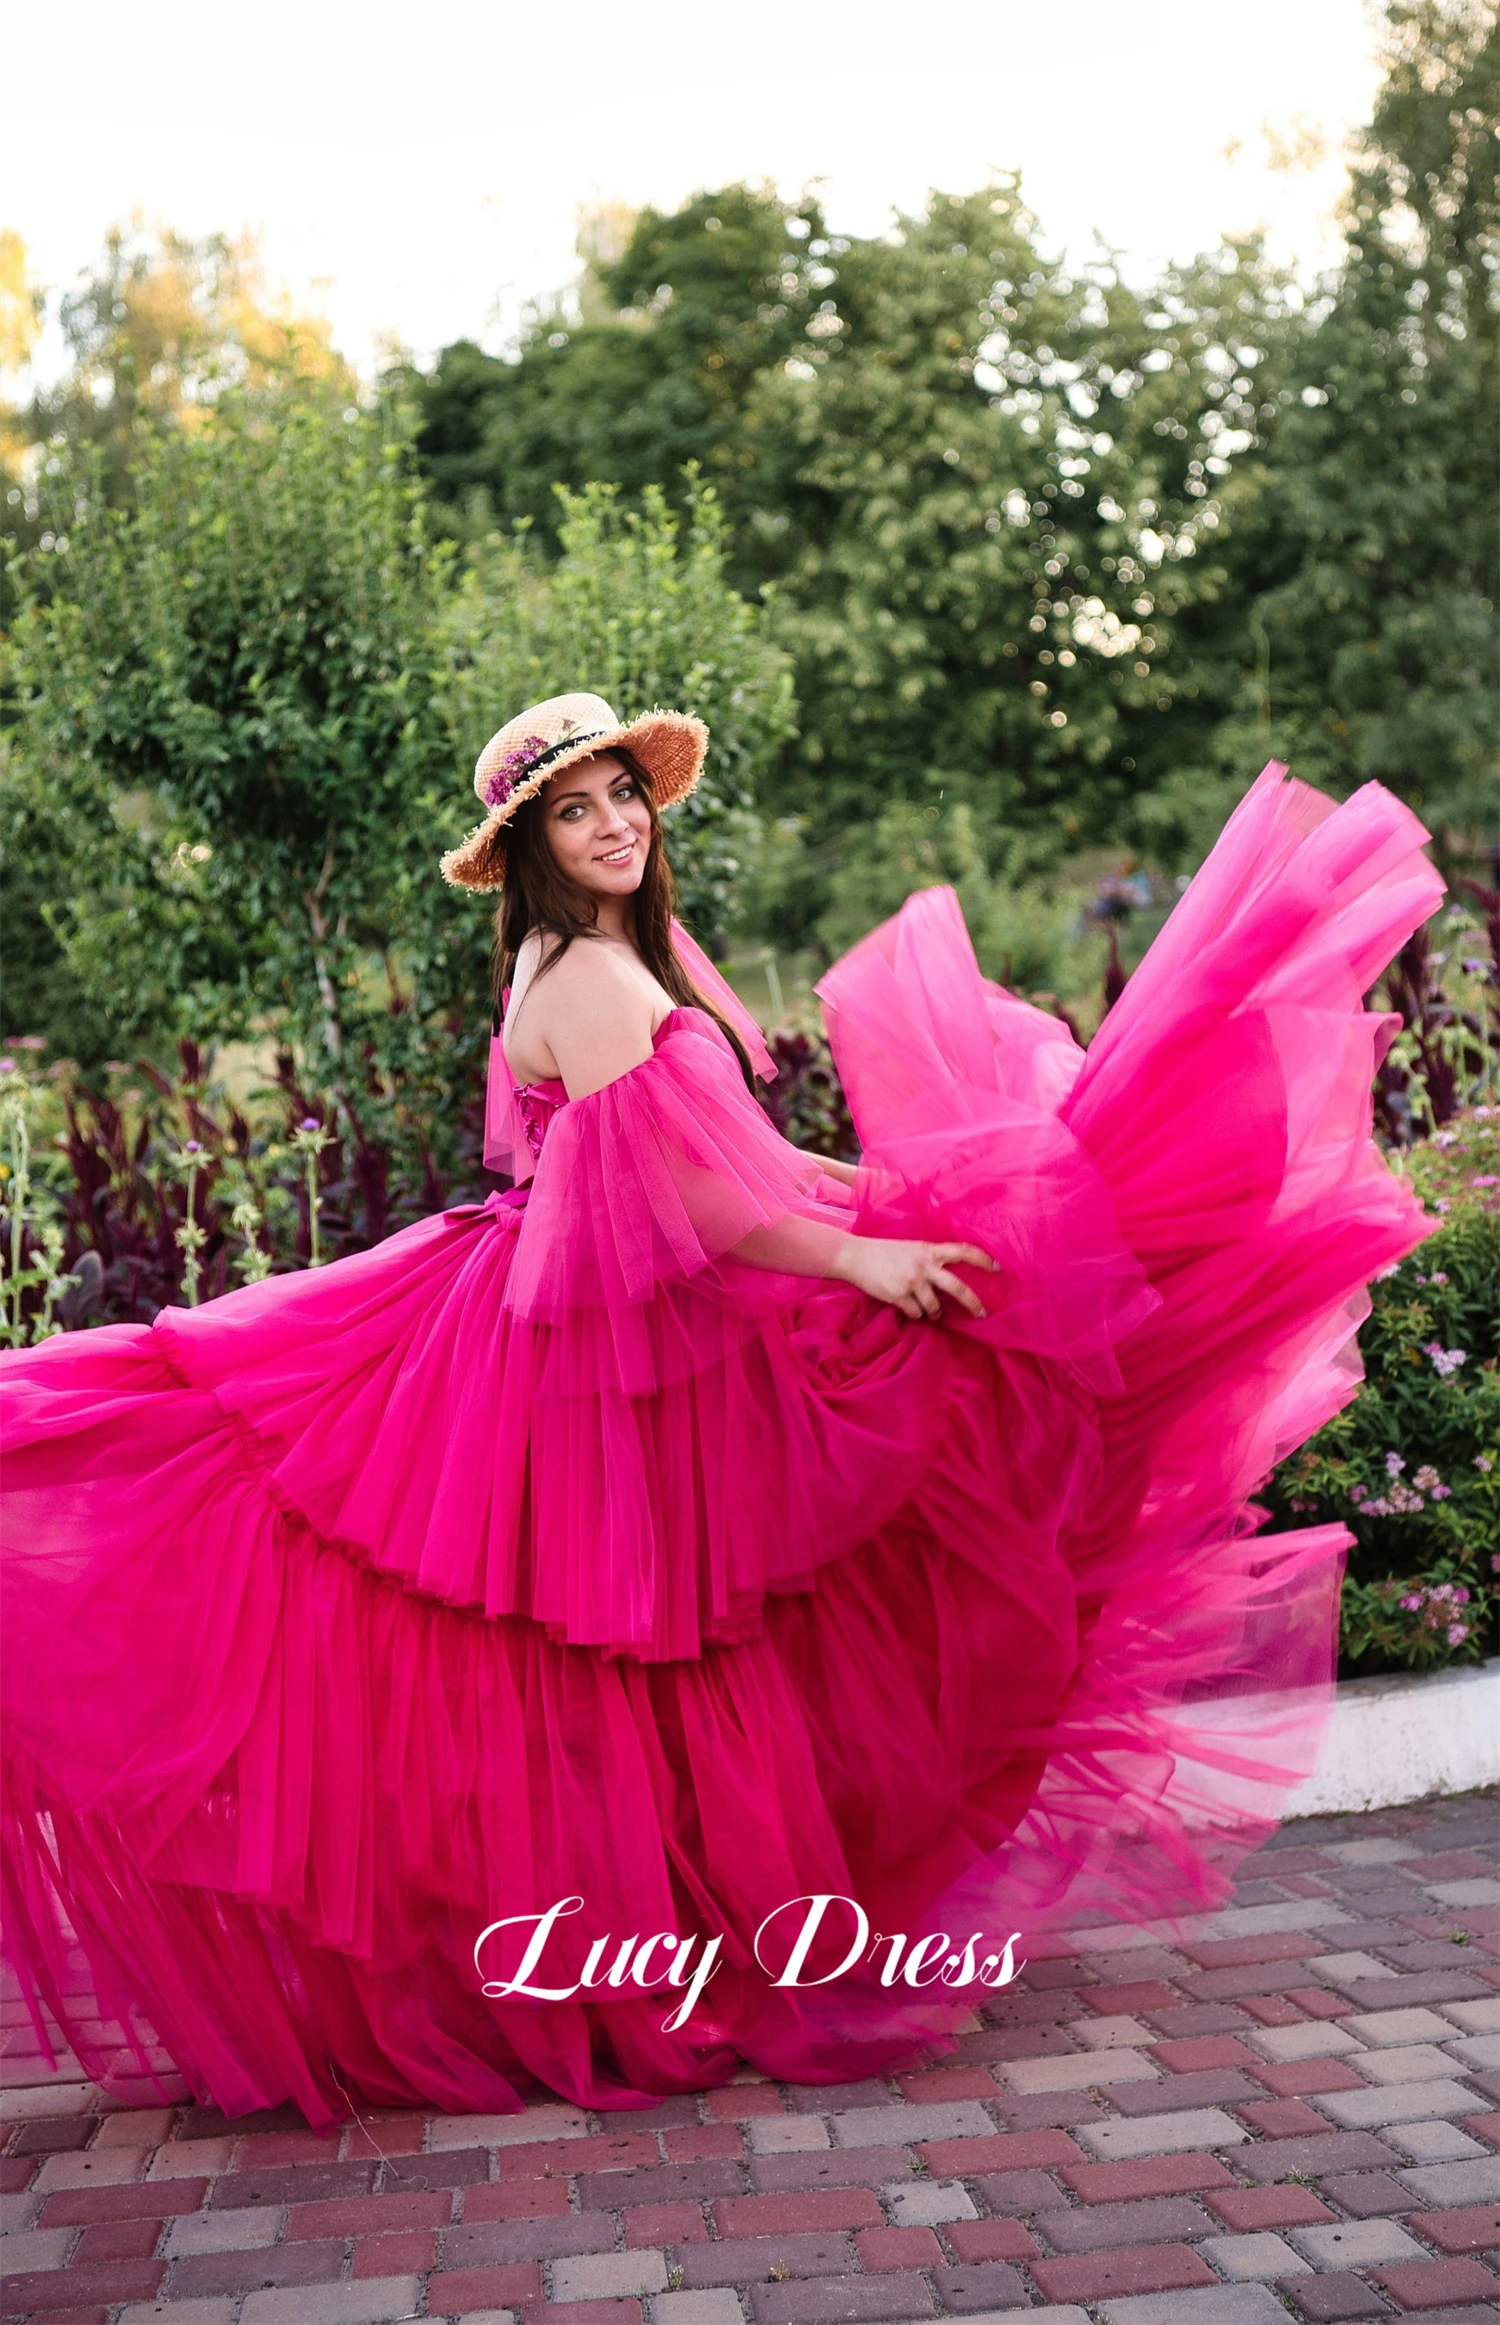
(619, 855)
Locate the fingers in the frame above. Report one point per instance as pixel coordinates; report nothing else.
(960, 1291)
(967, 1254)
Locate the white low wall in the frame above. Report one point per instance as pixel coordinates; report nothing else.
(1406, 1738)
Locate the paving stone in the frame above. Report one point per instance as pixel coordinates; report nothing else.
(975, 2292)
(94, 2168)
(1176, 2094)
(1281, 2118)
(370, 2302)
(1336, 2296)
(1309, 2039)
(1395, 2103)
(1046, 2110)
(241, 2271)
(1476, 2017)
(1115, 2033)
(750, 2259)
(1079, 2072)
(1333, 2151)
(924, 2203)
(1406, 2062)
(1349, 1969)
(455, 2292)
(1101, 2276)
(1194, 2018)
(917, 2247)
(1206, 2127)
(609, 2275)
(1252, 2259)
(1192, 2055)
(1019, 2195)
(981, 2240)
(136, 2200)
(667, 2183)
(1372, 1995)
(1098, 2227)
(86, 2288)
(713, 2305)
(664, 2224)
(842, 2301)
(1476, 2051)
(900, 2126)
(1355, 2244)
(533, 2124)
(822, 2208)
(1162, 2175)
(1473, 2228)
(241, 2231)
(869, 2091)
(190, 2159)
(1367, 2195)
(1396, 2027)
(37, 2248)
(1434, 2284)
(786, 2134)
(497, 2243)
(1005, 2151)
(1436, 2142)
(1305, 2078)
(1203, 2305)
(212, 2309)
(1247, 2209)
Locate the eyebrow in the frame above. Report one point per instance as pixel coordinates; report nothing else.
(624, 776)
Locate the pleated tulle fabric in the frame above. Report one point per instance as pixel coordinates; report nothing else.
(554, 1550)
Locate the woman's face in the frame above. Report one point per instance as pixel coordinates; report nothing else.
(598, 825)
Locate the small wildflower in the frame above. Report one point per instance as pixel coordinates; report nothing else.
(192, 1146)
(1427, 1479)
(1437, 1279)
(1412, 1605)
(1445, 1360)
(1385, 1274)
(309, 1122)
(1482, 1461)
(1445, 1138)
(1457, 1633)
(1394, 1464)
(1487, 1179)
(1474, 967)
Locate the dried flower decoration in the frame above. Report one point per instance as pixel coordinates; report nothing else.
(504, 777)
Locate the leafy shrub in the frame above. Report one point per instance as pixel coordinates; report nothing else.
(1412, 1465)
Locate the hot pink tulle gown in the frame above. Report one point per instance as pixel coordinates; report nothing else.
(549, 1550)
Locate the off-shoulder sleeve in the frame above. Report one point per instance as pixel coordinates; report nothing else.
(652, 1180)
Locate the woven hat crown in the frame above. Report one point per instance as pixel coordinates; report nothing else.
(563, 720)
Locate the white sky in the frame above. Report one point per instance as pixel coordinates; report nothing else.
(417, 171)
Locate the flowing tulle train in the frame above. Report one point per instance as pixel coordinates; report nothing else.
(553, 1551)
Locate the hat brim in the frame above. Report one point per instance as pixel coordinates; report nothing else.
(671, 746)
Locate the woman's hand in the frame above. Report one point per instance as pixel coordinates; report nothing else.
(911, 1276)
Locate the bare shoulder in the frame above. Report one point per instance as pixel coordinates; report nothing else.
(597, 1016)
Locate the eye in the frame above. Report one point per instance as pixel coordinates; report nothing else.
(625, 789)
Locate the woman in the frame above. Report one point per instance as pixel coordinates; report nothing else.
(466, 1666)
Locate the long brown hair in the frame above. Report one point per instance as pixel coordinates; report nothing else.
(539, 895)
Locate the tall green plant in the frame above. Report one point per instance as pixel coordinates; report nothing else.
(238, 667)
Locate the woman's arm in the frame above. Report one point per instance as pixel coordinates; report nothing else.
(832, 1169)
(908, 1276)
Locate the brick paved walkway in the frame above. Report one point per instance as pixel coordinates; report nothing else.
(1295, 2113)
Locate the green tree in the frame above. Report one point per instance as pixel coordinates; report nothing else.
(237, 666)
(1353, 631)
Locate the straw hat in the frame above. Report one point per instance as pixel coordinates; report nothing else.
(540, 742)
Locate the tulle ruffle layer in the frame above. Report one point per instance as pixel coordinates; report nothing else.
(559, 1552)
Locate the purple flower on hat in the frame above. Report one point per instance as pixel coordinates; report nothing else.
(507, 772)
